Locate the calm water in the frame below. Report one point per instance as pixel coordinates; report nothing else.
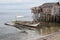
(11, 33)
(10, 16)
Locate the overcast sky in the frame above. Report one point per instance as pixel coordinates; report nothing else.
(18, 1)
(18, 5)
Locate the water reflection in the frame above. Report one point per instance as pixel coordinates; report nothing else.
(48, 28)
(44, 28)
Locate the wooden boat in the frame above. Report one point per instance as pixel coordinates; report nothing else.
(23, 24)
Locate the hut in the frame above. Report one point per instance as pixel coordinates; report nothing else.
(47, 12)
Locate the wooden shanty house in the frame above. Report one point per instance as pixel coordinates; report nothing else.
(48, 12)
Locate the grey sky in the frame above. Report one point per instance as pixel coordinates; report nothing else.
(17, 5)
(19, 1)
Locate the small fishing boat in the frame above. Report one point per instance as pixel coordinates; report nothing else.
(23, 24)
(28, 25)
